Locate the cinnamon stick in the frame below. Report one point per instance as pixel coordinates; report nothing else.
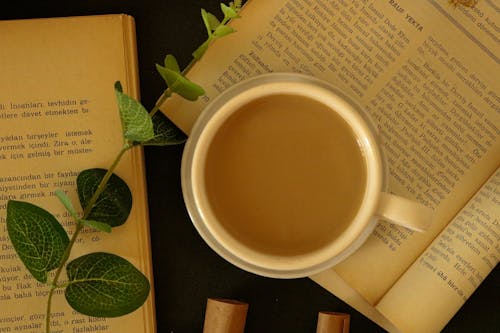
(333, 322)
(225, 316)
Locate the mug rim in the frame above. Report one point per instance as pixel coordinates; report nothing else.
(211, 119)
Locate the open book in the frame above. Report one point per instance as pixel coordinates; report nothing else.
(58, 116)
(423, 69)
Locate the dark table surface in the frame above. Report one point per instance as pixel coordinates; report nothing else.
(186, 270)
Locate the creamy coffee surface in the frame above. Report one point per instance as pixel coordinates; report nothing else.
(285, 175)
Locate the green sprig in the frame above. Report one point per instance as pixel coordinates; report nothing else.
(215, 28)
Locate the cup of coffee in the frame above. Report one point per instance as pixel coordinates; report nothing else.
(283, 176)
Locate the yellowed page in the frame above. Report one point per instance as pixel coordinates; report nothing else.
(422, 69)
(434, 288)
(332, 282)
(58, 115)
(442, 140)
(447, 273)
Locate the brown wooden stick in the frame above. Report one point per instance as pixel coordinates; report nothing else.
(225, 316)
(333, 322)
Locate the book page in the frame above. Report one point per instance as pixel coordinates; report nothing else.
(332, 282)
(58, 116)
(442, 140)
(451, 269)
(423, 71)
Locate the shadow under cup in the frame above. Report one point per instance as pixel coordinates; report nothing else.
(281, 175)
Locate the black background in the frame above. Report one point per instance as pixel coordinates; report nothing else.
(186, 270)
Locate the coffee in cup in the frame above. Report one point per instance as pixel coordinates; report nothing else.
(283, 176)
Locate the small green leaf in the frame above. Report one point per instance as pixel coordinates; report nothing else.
(105, 285)
(200, 51)
(171, 63)
(37, 237)
(136, 122)
(115, 202)
(206, 21)
(236, 5)
(180, 85)
(229, 12)
(97, 225)
(66, 202)
(166, 133)
(223, 30)
(213, 21)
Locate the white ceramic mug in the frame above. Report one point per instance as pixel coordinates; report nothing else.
(376, 201)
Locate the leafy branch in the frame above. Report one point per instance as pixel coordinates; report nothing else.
(104, 284)
(170, 71)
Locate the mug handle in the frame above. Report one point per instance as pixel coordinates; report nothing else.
(404, 212)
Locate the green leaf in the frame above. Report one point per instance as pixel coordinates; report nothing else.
(166, 133)
(200, 51)
(105, 285)
(37, 237)
(223, 30)
(229, 12)
(236, 5)
(97, 225)
(115, 202)
(180, 85)
(66, 202)
(210, 19)
(171, 63)
(136, 122)
(206, 20)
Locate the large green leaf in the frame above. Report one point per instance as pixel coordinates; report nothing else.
(136, 122)
(105, 285)
(166, 133)
(115, 202)
(37, 237)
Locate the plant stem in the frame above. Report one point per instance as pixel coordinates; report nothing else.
(49, 303)
(54, 285)
(104, 180)
(78, 228)
(189, 66)
(166, 94)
